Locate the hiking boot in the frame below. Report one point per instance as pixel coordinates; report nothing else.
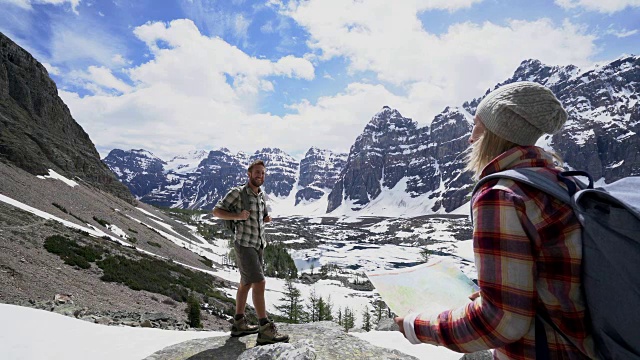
(268, 334)
(241, 328)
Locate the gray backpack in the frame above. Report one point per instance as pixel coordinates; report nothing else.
(610, 219)
(230, 225)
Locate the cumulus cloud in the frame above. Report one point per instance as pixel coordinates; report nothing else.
(200, 91)
(195, 90)
(608, 6)
(390, 41)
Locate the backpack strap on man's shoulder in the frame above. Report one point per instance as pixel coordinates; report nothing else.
(244, 198)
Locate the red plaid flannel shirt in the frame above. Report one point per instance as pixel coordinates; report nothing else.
(528, 254)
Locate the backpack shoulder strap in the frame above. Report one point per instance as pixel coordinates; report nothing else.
(244, 197)
(526, 176)
(532, 178)
(264, 198)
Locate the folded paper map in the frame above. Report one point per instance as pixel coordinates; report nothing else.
(432, 287)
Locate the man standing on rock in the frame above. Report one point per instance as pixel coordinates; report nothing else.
(249, 247)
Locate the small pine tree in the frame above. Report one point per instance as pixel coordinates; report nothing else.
(425, 253)
(348, 322)
(291, 304)
(340, 316)
(378, 309)
(324, 309)
(313, 306)
(366, 319)
(193, 312)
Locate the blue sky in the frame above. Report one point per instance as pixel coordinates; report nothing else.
(175, 76)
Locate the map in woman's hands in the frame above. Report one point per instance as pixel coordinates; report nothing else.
(432, 287)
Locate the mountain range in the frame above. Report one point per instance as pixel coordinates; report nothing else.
(396, 167)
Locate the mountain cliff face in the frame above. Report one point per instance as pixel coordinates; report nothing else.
(319, 171)
(393, 153)
(139, 168)
(282, 170)
(37, 132)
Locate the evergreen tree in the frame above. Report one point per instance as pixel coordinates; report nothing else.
(378, 309)
(366, 319)
(193, 312)
(348, 322)
(291, 304)
(313, 306)
(278, 262)
(340, 316)
(324, 309)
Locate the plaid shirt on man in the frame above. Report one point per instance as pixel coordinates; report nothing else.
(528, 252)
(250, 232)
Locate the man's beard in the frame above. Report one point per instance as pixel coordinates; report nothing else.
(256, 182)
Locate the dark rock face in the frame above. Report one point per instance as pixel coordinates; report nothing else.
(37, 132)
(393, 148)
(282, 170)
(319, 171)
(140, 170)
(377, 151)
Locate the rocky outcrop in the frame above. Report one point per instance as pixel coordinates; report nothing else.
(323, 339)
(37, 132)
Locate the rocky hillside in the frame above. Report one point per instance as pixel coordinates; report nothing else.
(37, 132)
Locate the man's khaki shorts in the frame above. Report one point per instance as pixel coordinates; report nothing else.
(250, 261)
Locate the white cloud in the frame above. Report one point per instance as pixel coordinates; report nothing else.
(267, 27)
(241, 26)
(608, 6)
(27, 4)
(389, 40)
(622, 33)
(52, 70)
(118, 59)
(80, 42)
(100, 80)
(74, 3)
(181, 97)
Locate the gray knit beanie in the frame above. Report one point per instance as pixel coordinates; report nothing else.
(521, 112)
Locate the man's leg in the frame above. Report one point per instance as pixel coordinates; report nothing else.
(258, 298)
(241, 297)
(268, 333)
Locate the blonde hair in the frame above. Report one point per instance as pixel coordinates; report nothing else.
(485, 149)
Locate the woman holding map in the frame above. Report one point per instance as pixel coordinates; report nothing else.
(527, 244)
